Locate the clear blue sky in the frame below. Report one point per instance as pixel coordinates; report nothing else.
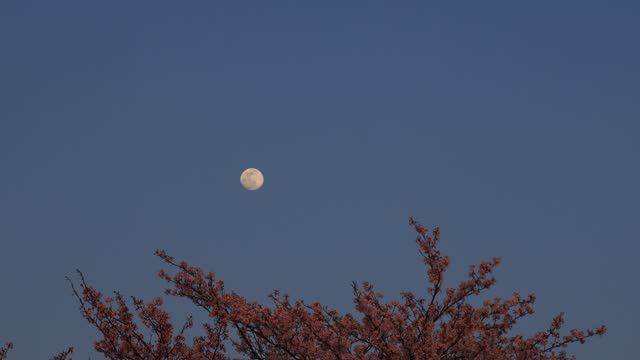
(124, 127)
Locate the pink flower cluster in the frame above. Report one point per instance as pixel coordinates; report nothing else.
(4, 350)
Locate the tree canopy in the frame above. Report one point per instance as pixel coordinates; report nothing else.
(443, 324)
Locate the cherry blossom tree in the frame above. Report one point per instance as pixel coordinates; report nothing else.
(441, 325)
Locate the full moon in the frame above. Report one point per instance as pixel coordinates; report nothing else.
(252, 179)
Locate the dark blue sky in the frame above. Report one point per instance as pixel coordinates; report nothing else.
(124, 128)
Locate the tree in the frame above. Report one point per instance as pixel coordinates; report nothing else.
(442, 325)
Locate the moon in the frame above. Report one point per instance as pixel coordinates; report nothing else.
(251, 179)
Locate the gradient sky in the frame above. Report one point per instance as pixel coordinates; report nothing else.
(124, 127)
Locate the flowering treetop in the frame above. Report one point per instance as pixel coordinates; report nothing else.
(441, 325)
